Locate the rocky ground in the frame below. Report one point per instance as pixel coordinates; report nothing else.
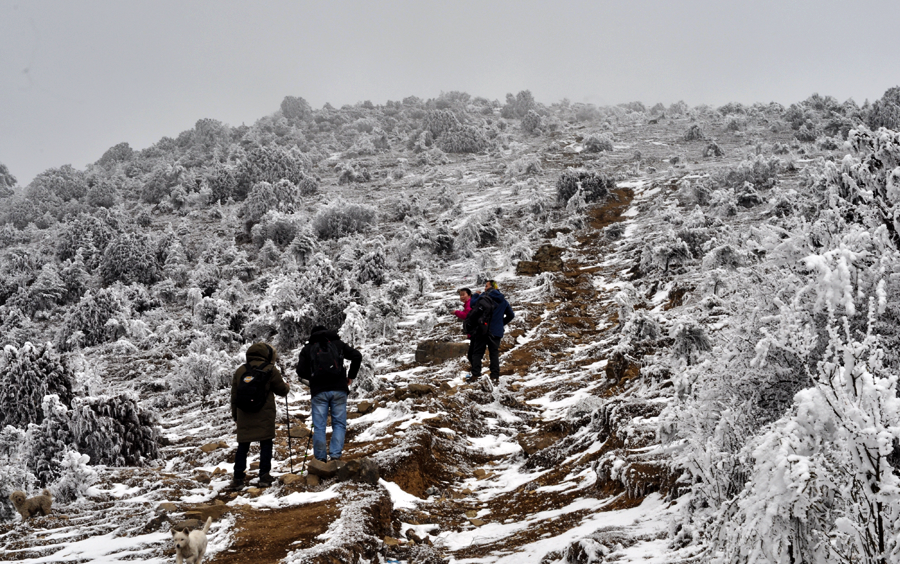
(558, 462)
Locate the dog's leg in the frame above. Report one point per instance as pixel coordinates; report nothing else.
(178, 557)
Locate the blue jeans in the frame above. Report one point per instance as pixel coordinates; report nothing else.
(321, 403)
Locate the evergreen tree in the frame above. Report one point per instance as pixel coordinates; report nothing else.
(27, 374)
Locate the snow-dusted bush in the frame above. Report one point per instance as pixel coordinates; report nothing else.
(86, 234)
(129, 258)
(713, 150)
(438, 122)
(478, 230)
(295, 108)
(531, 122)
(110, 430)
(353, 331)
(823, 486)
(598, 142)
(382, 316)
(690, 341)
(340, 218)
(885, 112)
(271, 164)
(114, 430)
(94, 320)
(371, 267)
(283, 196)
(525, 166)
(199, 375)
(304, 245)
(14, 474)
(595, 186)
(463, 139)
(277, 228)
(518, 106)
(760, 172)
(76, 477)
(348, 173)
(27, 374)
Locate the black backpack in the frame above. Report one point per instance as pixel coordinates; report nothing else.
(478, 322)
(253, 390)
(327, 363)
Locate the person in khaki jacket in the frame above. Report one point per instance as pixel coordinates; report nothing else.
(259, 426)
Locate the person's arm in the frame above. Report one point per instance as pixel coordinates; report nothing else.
(234, 385)
(508, 314)
(355, 358)
(303, 372)
(277, 383)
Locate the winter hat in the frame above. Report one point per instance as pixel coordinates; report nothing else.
(317, 329)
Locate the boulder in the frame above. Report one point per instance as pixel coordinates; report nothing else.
(202, 512)
(546, 259)
(156, 523)
(288, 479)
(439, 351)
(300, 432)
(533, 443)
(168, 506)
(209, 447)
(348, 471)
(187, 525)
(312, 480)
(420, 389)
(369, 472)
(324, 470)
(365, 407)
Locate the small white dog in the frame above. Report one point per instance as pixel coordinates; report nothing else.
(191, 547)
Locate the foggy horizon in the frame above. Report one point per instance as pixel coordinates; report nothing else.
(77, 79)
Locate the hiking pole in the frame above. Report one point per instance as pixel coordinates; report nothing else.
(290, 444)
(287, 413)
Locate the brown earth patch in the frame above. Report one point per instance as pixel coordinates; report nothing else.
(261, 537)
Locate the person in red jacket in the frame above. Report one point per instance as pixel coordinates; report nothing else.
(465, 296)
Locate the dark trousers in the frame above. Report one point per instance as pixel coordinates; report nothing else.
(265, 458)
(476, 353)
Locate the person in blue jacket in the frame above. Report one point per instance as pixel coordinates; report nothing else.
(501, 315)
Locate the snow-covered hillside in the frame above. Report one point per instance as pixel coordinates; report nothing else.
(702, 366)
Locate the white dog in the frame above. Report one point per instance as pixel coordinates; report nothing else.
(191, 547)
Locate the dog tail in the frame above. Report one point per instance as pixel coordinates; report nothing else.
(46, 492)
(208, 523)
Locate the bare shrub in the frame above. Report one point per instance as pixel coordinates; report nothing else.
(595, 186)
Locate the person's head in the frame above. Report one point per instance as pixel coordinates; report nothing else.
(464, 294)
(491, 285)
(317, 329)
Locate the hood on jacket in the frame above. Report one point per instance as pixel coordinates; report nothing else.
(495, 295)
(261, 352)
(323, 335)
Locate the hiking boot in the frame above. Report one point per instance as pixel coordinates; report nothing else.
(472, 378)
(237, 484)
(266, 480)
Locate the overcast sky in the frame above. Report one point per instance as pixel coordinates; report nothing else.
(77, 77)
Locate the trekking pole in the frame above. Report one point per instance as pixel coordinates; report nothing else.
(290, 444)
(287, 413)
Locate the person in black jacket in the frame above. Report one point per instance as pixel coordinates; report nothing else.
(489, 339)
(322, 364)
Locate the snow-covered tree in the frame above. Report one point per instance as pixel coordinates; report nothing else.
(27, 374)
